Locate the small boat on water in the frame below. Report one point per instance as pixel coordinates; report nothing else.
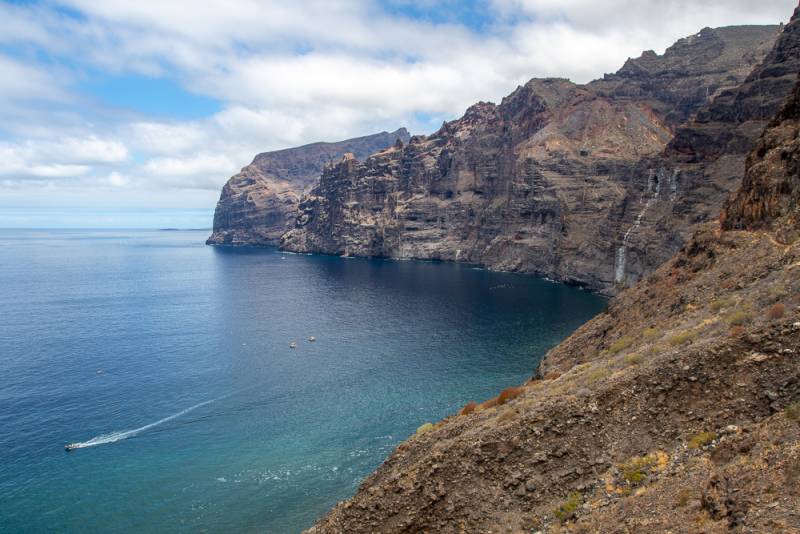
(72, 446)
(312, 339)
(293, 345)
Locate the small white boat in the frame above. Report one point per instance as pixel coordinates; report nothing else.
(72, 446)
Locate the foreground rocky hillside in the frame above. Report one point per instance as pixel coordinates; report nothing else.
(259, 205)
(592, 184)
(675, 410)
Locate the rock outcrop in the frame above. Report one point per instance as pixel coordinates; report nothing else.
(594, 185)
(259, 205)
(675, 410)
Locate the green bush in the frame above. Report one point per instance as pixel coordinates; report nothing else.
(574, 501)
(650, 334)
(655, 349)
(682, 338)
(634, 359)
(635, 471)
(702, 439)
(427, 427)
(622, 344)
(597, 375)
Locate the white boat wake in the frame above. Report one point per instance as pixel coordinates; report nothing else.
(117, 436)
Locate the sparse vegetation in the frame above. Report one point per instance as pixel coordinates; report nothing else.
(655, 349)
(427, 427)
(489, 403)
(778, 292)
(776, 312)
(508, 415)
(634, 359)
(574, 500)
(744, 315)
(722, 303)
(682, 338)
(552, 375)
(635, 470)
(509, 394)
(793, 412)
(702, 439)
(650, 334)
(684, 496)
(469, 408)
(599, 374)
(622, 344)
(735, 332)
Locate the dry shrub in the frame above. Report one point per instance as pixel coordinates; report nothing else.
(724, 302)
(778, 292)
(427, 427)
(650, 334)
(681, 339)
(742, 316)
(509, 394)
(597, 375)
(489, 403)
(535, 383)
(735, 332)
(655, 349)
(634, 359)
(776, 312)
(469, 408)
(508, 415)
(552, 375)
(702, 439)
(684, 496)
(622, 344)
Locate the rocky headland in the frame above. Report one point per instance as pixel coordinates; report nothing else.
(675, 410)
(593, 184)
(259, 205)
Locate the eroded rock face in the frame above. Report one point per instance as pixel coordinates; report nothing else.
(577, 183)
(258, 205)
(677, 406)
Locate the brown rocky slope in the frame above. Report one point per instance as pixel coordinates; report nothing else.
(675, 410)
(259, 205)
(579, 183)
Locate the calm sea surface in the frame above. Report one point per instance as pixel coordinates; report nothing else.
(203, 419)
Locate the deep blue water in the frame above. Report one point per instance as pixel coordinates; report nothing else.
(250, 435)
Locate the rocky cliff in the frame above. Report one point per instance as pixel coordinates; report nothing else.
(259, 205)
(675, 410)
(594, 185)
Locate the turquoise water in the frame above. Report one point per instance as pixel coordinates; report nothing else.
(203, 418)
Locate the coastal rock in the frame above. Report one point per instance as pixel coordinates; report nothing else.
(259, 205)
(697, 427)
(577, 183)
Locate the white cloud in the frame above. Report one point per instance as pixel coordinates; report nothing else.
(288, 74)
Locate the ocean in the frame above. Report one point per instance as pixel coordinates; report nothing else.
(169, 363)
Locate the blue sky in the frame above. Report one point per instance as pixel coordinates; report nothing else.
(116, 112)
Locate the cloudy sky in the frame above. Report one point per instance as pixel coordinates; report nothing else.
(120, 113)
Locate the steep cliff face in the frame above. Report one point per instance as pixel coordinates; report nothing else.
(559, 179)
(258, 205)
(675, 410)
